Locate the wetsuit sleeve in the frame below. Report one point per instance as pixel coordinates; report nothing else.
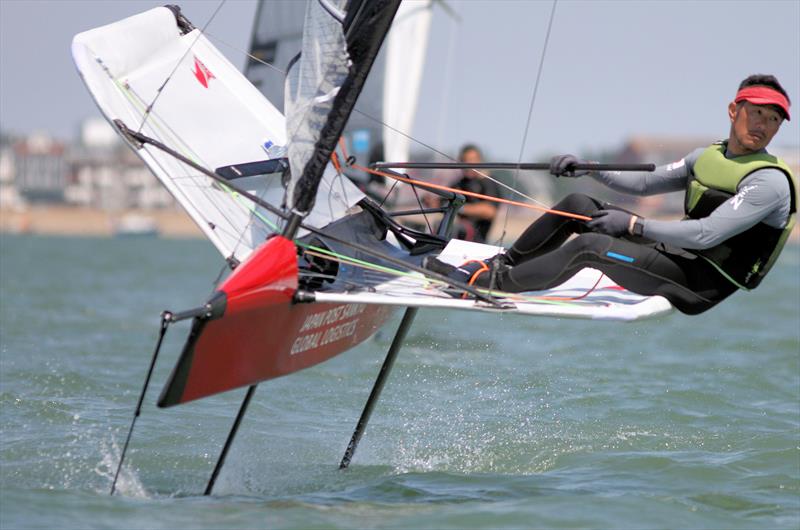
(762, 196)
(670, 177)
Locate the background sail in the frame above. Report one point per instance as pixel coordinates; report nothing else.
(406, 46)
(208, 111)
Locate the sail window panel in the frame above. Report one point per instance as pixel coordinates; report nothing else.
(311, 86)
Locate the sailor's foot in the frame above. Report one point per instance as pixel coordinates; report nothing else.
(456, 274)
(474, 272)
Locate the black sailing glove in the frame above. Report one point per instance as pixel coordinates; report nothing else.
(612, 222)
(564, 166)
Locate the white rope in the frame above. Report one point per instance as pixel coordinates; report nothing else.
(530, 111)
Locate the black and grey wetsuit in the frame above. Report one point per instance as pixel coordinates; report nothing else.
(669, 259)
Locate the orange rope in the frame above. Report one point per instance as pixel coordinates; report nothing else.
(476, 274)
(343, 148)
(335, 161)
(472, 194)
(485, 267)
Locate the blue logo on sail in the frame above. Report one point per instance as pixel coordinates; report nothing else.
(274, 150)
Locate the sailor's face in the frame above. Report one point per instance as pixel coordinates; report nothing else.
(471, 157)
(752, 126)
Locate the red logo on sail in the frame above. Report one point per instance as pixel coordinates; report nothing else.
(202, 73)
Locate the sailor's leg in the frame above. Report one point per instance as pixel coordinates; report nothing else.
(550, 231)
(689, 283)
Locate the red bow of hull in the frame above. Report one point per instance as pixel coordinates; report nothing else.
(262, 333)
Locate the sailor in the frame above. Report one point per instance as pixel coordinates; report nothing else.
(476, 216)
(740, 205)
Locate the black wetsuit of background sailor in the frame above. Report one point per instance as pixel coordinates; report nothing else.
(469, 228)
(543, 258)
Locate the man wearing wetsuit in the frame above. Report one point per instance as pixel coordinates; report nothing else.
(476, 216)
(740, 208)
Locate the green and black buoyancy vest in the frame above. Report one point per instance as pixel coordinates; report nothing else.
(745, 258)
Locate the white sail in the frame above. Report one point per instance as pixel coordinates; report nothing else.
(407, 44)
(204, 108)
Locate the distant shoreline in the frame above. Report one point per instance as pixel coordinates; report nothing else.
(74, 221)
(168, 223)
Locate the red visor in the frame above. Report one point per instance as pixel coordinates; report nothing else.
(763, 95)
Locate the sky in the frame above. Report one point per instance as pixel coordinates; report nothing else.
(612, 69)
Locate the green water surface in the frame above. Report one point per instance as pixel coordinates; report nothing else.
(487, 422)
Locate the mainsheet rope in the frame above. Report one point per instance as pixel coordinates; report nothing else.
(441, 187)
(414, 183)
(417, 141)
(530, 112)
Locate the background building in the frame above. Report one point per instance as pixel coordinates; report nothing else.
(99, 177)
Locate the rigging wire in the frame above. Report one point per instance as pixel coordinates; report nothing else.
(472, 194)
(530, 110)
(388, 193)
(149, 108)
(448, 78)
(258, 199)
(269, 207)
(422, 208)
(248, 54)
(380, 122)
(163, 131)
